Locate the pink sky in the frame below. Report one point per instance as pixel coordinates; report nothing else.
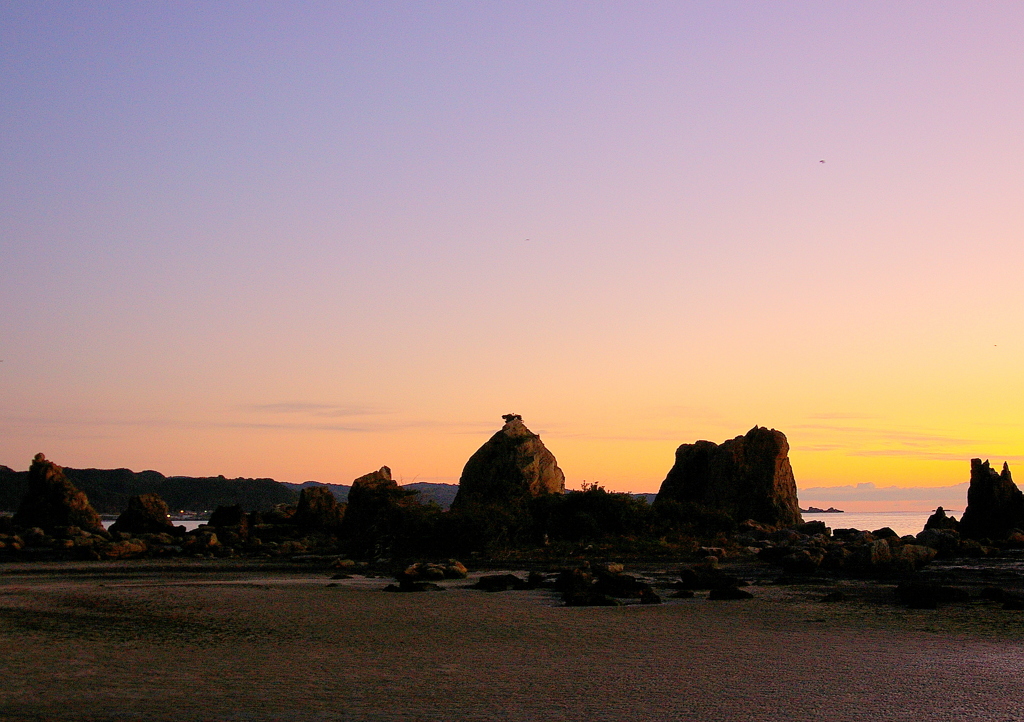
(304, 242)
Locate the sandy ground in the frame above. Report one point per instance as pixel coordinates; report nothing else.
(231, 645)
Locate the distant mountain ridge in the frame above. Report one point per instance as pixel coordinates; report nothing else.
(109, 490)
(440, 494)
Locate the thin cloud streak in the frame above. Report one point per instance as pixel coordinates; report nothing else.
(906, 437)
(870, 492)
(315, 409)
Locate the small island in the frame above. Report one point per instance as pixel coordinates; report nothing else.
(816, 510)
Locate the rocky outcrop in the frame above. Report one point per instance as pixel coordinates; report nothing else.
(514, 465)
(52, 502)
(319, 510)
(229, 516)
(939, 520)
(374, 512)
(748, 477)
(995, 506)
(145, 514)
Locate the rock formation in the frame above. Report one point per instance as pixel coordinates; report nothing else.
(233, 515)
(52, 502)
(145, 514)
(374, 511)
(748, 477)
(319, 510)
(512, 466)
(995, 506)
(939, 520)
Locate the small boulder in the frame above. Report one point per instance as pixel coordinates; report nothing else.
(499, 583)
(926, 595)
(454, 569)
(649, 596)
(200, 541)
(802, 561)
(945, 541)
(145, 514)
(231, 519)
(831, 597)
(939, 520)
(124, 549)
(874, 554)
(910, 557)
(813, 527)
(729, 593)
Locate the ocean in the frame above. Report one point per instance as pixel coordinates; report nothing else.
(189, 525)
(901, 522)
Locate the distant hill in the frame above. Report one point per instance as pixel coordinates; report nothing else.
(340, 491)
(440, 494)
(109, 489)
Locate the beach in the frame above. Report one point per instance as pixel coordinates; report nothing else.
(197, 641)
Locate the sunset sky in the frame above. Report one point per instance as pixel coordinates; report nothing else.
(305, 240)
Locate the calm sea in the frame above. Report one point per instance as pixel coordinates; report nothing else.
(901, 522)
(189, 525)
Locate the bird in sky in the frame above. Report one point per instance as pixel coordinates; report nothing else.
(821, 161)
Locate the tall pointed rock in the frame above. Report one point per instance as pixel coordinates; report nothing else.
(512, 466)
(53, 502)
(995, 506)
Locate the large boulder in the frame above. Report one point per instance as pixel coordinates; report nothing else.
(748, 477)
(52, 502)
(513, 466)
(145, 514)
(995, 506)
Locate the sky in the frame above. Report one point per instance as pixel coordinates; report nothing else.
(305, 240)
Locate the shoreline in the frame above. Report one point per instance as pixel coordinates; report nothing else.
(203, 640)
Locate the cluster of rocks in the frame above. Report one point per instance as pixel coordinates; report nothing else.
(813, 546)
(708, 576)
(601, 585)
(924, 594)
(55, 520)
(423, 576)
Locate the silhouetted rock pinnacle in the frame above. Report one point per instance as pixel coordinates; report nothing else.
(513, 465)
(995, 506)
(52, 501)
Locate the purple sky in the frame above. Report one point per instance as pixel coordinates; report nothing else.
(307, 240)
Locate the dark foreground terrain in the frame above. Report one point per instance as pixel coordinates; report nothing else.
(229, 640)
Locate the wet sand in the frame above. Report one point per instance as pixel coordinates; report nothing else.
(208, 644)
